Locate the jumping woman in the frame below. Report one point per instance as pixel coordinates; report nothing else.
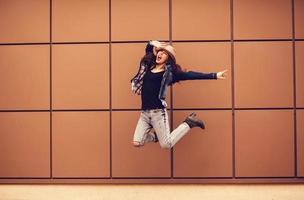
(157, 70)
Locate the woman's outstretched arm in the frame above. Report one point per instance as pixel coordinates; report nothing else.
(192, 75)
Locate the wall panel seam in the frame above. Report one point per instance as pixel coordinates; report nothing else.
(110, 85)
(294, 89)
(51, 102)
(232, 89)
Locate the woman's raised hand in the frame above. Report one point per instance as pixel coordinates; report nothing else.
(157, 44)
(222, 74)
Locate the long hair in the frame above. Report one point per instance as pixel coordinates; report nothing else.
(149, 60)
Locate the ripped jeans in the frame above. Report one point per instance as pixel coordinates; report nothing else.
(158, 120)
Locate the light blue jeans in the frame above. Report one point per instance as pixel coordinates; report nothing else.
(158, 120)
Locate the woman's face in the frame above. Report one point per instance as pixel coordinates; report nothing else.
(161, 57)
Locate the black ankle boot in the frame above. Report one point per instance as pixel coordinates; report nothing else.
(192, 122)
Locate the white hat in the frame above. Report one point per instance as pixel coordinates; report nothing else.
(166, 47)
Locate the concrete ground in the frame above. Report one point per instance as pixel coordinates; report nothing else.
(153, 192)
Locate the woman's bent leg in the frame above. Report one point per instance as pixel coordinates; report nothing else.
(161, 126)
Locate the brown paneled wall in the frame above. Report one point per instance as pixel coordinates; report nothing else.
(67, 113)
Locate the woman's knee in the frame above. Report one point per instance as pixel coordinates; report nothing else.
(136, 144)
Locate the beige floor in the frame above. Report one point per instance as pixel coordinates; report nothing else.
(155, 192)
